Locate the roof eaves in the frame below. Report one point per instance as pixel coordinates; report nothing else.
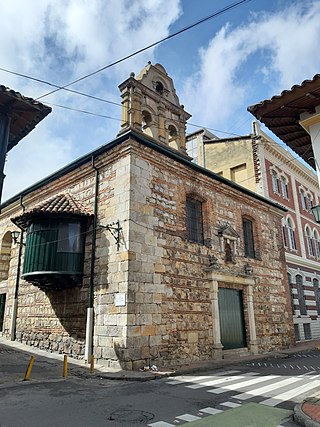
(151, 144)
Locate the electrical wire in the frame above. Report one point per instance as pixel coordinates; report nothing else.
(182, 30)
(136, 109)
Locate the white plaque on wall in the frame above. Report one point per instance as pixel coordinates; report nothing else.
(120, 300)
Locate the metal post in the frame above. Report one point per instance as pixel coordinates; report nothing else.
(29, 369)
(65, 366)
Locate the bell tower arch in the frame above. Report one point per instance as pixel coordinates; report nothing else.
(150, 105)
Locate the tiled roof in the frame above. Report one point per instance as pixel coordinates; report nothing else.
(281, 114)
(59, 204)
(25, 113)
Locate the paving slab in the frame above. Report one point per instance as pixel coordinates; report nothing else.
(248, 415)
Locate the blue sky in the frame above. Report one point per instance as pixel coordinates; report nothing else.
(219, 68)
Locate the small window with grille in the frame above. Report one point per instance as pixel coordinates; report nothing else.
(194, 220)
(247, 226)
(302, 302)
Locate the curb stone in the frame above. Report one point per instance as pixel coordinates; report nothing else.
(303, 419)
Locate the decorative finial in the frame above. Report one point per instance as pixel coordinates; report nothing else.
(149, 62)
(132, 74)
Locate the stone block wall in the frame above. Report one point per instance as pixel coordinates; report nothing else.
(165, 315)
(170, 286)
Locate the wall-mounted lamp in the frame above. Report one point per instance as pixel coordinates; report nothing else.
(15, 236)
(248, 269)
(316, 213)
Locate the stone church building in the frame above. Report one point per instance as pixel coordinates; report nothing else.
(137, 255)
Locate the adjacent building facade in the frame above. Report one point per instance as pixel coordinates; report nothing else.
(137, 255)
(260, 164)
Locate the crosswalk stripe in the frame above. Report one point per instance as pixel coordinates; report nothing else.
(213, 382)
(188, 417)
(230, 404)
(243, 384)
(271, 387)
(201, 378)
(289, 395)
(160, 424)
(211, 411)
(180, 380)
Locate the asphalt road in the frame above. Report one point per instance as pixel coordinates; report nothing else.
(255, 394)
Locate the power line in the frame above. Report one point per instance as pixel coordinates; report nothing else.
(276, 144)
(120, 120)
(188, 27)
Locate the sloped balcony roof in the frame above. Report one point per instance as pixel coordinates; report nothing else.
(59, 204)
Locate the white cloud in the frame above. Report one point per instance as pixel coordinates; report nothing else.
(59, 41)
(273, 52)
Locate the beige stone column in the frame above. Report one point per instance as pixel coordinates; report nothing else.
(125, 110)
(253, 344)
(217, 346)
(162, 131)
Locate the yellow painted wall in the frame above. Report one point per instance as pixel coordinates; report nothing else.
(233, 160)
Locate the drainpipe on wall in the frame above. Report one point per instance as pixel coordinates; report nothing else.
(16, 291)
(90, 314)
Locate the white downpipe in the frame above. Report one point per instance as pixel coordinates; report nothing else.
(89, 334)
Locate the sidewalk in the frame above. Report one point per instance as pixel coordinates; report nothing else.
(306, 413)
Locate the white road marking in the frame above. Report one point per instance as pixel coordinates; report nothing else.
(188, 417)
(243, 384)
(213, 382)
(262, 390)
(160, 424)
(231, 404)
(211, 411)
(289, 395)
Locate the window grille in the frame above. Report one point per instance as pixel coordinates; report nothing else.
(284, 188)
(275, 183)
(248, 238)
(194, 220)
(309, 242)
(292, 240)
(317, 293)
(307, 331)
(303, 200)
(302, 302)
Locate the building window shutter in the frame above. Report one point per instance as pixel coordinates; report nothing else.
(248, 238)
(194, 220)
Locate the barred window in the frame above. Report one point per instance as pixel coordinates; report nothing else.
(309, 242)
(302, 302)
(303, 199)
(275, 181)
(247, 226)
(194, 220)
(291, 293)
(316, 244)
(317, 293)
(292, 240)
(284, 188)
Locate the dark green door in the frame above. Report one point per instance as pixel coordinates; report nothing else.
(2, 306)
(231, 319)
